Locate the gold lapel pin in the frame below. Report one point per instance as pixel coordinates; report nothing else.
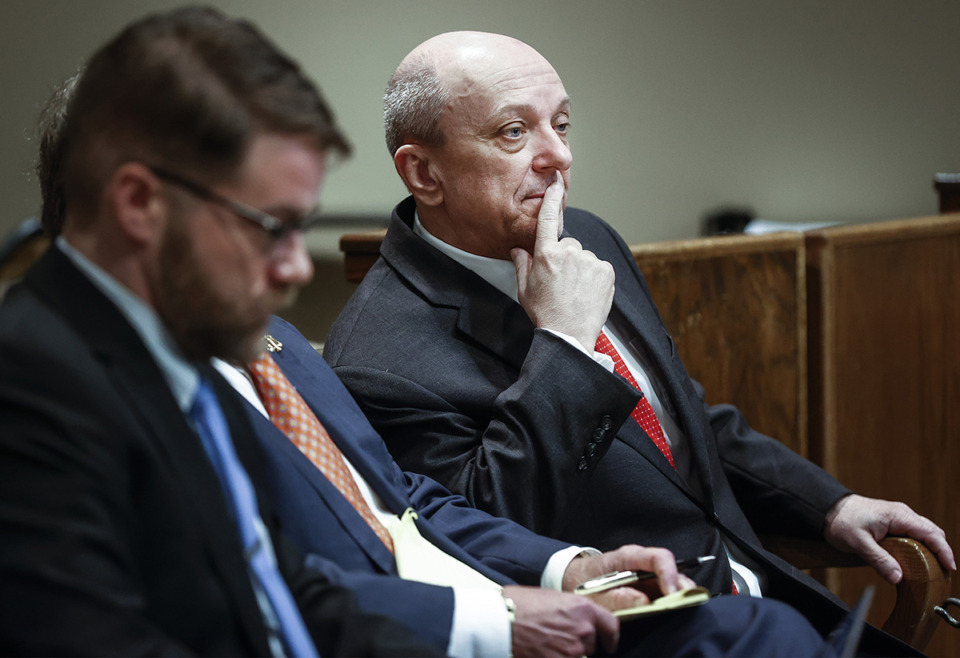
(273, 345)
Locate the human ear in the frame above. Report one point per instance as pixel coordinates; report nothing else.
(419, 174)
(133, 193)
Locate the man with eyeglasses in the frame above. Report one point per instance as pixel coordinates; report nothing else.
(132, 510)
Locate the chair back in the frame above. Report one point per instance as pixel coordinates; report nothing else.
(19, 250)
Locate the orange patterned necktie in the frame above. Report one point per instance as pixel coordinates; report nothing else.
(643, 413)
(293, 417)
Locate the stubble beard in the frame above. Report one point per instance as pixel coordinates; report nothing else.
(202, 322)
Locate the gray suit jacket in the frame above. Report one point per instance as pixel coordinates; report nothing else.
(463, 388)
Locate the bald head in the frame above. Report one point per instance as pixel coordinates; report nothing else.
(438, 72)
(477, 124)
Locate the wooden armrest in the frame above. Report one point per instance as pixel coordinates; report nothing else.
(925, 583)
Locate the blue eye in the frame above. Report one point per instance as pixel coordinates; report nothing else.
(513, 132)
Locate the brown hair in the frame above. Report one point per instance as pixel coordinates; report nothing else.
(50, 124)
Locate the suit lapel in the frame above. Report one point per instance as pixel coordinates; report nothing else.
(500, 325)
(344, 423)
(650, 337)
(360, 444)
(486, 315)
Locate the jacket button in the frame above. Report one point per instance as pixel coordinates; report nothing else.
(590, 450)
(606, 422)
(598, 434)
(582, 464)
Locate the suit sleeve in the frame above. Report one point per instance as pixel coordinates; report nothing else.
(778, 490)
(499, 543)
(529, 455)
(67, 563)
(351, 614)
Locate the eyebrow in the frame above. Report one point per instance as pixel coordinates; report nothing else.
(291, 214)
(522, 108)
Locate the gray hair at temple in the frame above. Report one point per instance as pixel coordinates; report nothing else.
(412, 104)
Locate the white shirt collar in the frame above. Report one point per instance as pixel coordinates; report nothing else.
(501, 274)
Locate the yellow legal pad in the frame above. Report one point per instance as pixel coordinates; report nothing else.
(685, 598)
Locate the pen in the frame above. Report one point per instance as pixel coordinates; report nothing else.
(621, 578)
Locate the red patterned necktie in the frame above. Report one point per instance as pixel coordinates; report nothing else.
(643, 413)
(293, 417)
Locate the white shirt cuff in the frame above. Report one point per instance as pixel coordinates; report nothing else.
(552, 577)
(603, 359)
(480, 624)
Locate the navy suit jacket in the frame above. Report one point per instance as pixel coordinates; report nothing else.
(340, 543)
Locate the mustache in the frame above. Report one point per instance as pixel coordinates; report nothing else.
(539, 189)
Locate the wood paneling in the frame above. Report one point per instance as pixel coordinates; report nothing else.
(884, 330)
(736, 308)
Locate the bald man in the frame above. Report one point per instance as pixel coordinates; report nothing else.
(508, 347)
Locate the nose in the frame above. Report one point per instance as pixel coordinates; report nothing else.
(553, 152)
(291, 263)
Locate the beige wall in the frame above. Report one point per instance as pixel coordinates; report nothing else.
(805, 110)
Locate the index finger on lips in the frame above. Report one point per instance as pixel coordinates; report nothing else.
(548, 221)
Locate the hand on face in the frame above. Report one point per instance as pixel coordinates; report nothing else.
(563, 287)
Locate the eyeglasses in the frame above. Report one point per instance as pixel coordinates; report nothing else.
(276, 228)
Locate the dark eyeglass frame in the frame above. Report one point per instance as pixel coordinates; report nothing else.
(276, 228)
